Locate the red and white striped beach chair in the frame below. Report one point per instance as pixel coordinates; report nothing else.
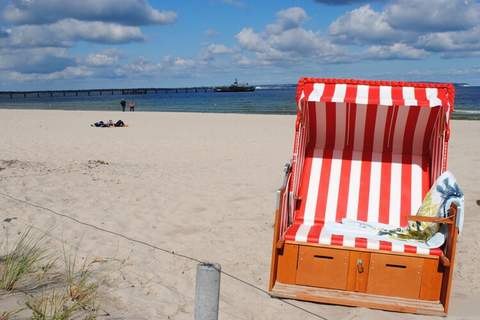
(366, 151)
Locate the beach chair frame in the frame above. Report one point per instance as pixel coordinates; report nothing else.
(423, 287)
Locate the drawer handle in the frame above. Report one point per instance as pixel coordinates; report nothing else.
(395, 266)
(323, 257)
(360, 268)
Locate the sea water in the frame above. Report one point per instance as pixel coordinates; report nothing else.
(278, 99)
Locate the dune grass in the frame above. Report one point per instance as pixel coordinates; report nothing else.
(73, 294)
(50, 305)
(57, 305)
(81, 287)
(75, 299)
(24, 258)
(8, 315)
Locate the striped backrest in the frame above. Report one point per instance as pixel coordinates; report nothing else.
(367, 150)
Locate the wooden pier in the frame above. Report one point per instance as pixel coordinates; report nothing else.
(100, 92)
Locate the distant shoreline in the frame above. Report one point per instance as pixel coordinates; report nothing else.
(460, 114)
(278, 99)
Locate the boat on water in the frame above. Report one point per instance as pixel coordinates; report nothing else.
(236, 87)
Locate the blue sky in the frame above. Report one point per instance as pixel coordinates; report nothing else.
(60, 44)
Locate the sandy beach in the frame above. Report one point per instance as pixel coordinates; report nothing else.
(199, 184)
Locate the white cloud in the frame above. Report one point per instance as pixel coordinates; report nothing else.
(70, 73)
(65, 32)
(245, 61)
(139, 67)
(250, 40)
(287, 19)
(214, 52)
(100, 65)
(74, 72)
(35, 35)
(286, 41)
(127, 12)
(433, 16)
(408, 29)
(215, 48)
(364, 25)
(259, 44)
(103, 59)
(395, 51)
(35, 60)
(303, 42)
(472, 71)
(181, 63)
(293, 16)
(142, 67)
(448, 42)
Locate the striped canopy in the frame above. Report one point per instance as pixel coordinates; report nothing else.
(386, 93)
(365, 150)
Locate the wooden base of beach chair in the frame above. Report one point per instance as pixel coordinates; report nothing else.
(360, 277)
(402, 282)
(357, 299)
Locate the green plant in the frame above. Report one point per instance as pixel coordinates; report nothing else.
(78, 279)
(7, 315)
(52, 305)
(21, 260)
(66, 295)
(75, 300)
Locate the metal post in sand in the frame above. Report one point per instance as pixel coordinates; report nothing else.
(207, 291)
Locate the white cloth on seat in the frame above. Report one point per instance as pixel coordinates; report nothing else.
(444, 192)
(370, 230)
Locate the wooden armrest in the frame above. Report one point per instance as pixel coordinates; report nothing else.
(447, 220)
(280, 244)
(444, 260)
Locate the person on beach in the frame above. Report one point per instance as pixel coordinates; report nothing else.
(100, 124)
(108, 124)
(123, 103)
(131, 105)
(120, 123)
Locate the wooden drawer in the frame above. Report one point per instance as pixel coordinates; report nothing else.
(393, 275)
(321, 267)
